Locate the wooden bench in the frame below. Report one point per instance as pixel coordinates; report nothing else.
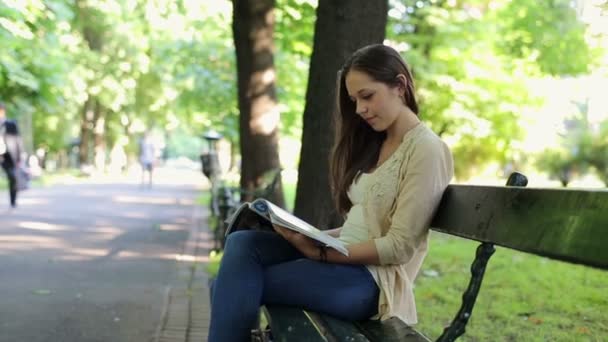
(563, 224)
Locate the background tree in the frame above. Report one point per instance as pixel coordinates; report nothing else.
(253, 27)
(471, 61)
(294, 33)
(574, 153)
(598, 152)
(34, 63)
(109, 61)
(338, 33)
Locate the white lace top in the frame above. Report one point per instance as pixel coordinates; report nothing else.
(394, 206)
(354, 230)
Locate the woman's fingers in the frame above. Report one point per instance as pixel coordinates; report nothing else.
(284, 232)
(302, 242)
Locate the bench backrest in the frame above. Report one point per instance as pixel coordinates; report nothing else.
(564, 224)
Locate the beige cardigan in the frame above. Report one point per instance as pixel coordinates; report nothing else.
(401, 197)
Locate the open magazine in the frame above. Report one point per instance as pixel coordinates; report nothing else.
(261, 214)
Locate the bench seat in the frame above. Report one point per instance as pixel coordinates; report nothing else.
(297, 325)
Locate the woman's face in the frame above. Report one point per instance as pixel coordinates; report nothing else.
(377, 103)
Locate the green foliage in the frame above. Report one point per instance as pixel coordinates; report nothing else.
(596, 151)
(466, 93)
(560, 164)
(470, 66)
(294, 31)
(158, 64)
(183, 143)
(35, 67)
(170, 66)
(200, 67)
(545, 32)
(581, 145)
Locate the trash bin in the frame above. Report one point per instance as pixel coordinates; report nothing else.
(210, 164)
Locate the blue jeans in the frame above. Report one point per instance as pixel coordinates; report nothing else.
(11, 170)
(263, 268)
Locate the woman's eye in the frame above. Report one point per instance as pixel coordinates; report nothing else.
(367, 96)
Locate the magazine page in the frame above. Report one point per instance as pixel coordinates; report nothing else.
(286, 219)
(245, 218)
(229, 221)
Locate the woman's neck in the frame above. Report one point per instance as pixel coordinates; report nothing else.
(407, 121)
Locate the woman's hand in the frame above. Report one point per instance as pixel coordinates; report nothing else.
(363, 253)
(303, 243)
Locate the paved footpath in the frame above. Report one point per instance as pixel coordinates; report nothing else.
(105, 260)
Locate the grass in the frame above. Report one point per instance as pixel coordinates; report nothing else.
(214, 263)
(203, 198)
(523, 297)
(46, 179)
(42, 181)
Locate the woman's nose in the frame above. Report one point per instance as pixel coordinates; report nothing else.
(361, 109)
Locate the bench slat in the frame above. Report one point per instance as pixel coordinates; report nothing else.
(340, 330)
(569, 225)
(390, 330)
(289, 324)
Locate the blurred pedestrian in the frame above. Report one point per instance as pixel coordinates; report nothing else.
(11, 152)
(147, 157)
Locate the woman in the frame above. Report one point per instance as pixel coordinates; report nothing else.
(11, 153)
(388, 173)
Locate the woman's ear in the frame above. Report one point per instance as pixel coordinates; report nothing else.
(402, 83)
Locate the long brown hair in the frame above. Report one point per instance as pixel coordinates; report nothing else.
(357, 146)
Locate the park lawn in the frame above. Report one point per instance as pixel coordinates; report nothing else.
(203, 198)
(4, 181)
(214, 263)
(523, 297)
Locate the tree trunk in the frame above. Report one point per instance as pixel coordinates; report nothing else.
(99, 134)
(342, 27)
(86, 125)
(91, 112)
(253, 26)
